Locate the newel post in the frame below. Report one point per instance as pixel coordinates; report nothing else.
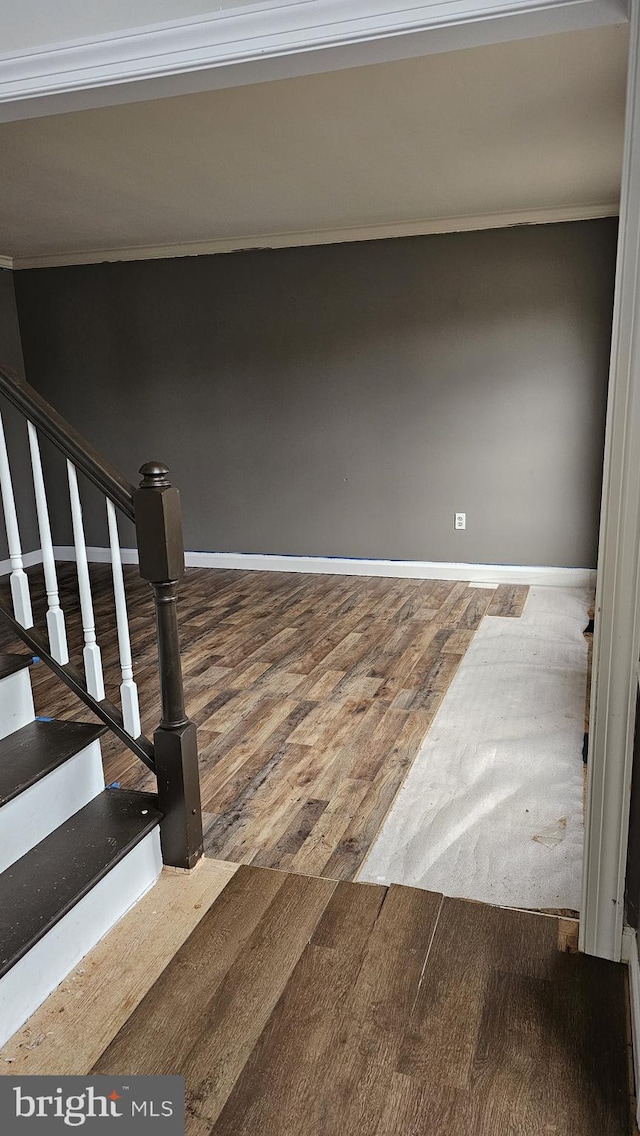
(161, 552)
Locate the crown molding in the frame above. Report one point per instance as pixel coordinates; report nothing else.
(417, 228)
(271, 40)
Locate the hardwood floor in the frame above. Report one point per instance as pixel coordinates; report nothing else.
(306, 1005)
(312, 695)
(302, 1007)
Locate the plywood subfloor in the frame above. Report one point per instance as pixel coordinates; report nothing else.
(305, 1007)
(312, 695)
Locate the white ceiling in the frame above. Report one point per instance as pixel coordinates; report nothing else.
(30, 24)
(525, 130)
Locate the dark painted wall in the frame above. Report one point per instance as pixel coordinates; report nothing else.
(346, 400)
(15, 431)
(10, 346)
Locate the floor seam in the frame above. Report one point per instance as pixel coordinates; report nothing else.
(426, 957)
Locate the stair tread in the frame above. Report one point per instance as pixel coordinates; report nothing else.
(46, 883)
(10, 664)
(36, 749)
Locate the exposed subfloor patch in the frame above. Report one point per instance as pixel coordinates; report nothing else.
(492, 806)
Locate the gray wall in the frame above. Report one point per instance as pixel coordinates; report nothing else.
(346, 400)
(10, 346)
(11, 358)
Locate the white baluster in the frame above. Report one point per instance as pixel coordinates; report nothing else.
(19, 580)
(128, 690)
(55, 617)
(91, 653)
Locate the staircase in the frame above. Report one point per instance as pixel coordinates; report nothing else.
(76, 855)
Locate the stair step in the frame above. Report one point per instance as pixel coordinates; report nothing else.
(38, 748)
(10, 664)
(44, 885)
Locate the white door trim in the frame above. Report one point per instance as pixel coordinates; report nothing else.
(617, 636)
(271, 40)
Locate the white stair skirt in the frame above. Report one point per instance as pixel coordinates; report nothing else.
(44, 967)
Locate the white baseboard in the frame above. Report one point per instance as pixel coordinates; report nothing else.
(344, 566)
(95, 554)
(401, 569)
(28, 559)
(630, 956)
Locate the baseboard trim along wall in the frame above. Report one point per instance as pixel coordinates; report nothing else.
(28, 559)
(343, 566)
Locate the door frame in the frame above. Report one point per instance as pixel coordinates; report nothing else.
(617, 625)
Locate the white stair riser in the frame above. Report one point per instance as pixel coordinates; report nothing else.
(45, 966)
(37, 811)
(16, 702)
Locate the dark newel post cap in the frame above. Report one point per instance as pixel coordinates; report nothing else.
(154, 475)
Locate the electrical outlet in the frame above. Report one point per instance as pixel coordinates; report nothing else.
(459, 520)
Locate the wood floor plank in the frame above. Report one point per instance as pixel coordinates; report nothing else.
(327, 832)
(388, 724)
(509, 600)
(588, 1008)
(277, 1091)
(365, 962)
(374, 807)
(162, 1030)
(497, 1023)
(205, 1030)
(479, 601)
(297, 1007)
(471, 940)
(275, 801)
(413, 1108)
(315, 723)
(294, 835)
(347, 667)
(247, 996)
(378, 1008)
(245, 759)
(260, 798)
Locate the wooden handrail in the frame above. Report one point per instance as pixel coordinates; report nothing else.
(84, 456)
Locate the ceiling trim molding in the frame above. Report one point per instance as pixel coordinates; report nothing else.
(424, 227)
(271, 40)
